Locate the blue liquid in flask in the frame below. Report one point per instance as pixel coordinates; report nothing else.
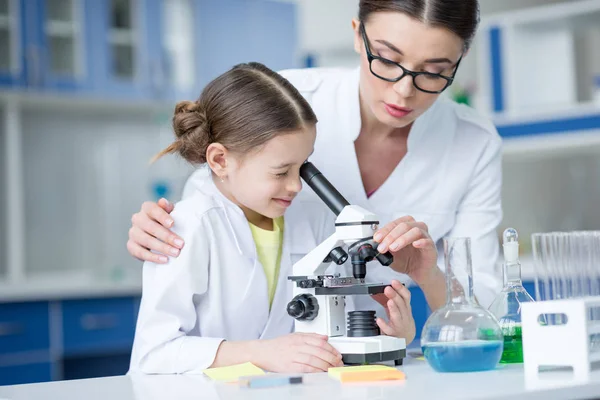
(467, 356)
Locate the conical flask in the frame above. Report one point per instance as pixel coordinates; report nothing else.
(506, 307)
(462, 336)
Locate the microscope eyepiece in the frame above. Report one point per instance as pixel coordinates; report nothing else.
(323, 188)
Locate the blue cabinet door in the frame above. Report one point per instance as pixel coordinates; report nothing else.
(120, 48)
(238, 31)
(13, 49)
(98, 326)
(26, 373)
(274, 33)
(59, 34)
(24, 328)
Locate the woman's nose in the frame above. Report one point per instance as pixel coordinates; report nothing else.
(405, 86)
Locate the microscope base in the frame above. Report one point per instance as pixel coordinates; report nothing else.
(370, 349)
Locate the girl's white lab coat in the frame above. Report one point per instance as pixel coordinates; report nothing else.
(451, 177)
(216, 289)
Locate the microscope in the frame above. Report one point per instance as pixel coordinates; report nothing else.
(319, 301)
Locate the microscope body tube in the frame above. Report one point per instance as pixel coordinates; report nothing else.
(323, 188)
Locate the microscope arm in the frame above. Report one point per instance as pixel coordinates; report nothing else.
(313, 263)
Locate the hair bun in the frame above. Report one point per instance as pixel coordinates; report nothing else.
(187, 107)
(189, 119)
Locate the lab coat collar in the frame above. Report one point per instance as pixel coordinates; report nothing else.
(348, 104)
(298, 236)
(234, 216)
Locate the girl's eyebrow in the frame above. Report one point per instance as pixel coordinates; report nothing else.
(284, 165)
(428, 61)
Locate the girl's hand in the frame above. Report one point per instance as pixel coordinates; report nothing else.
(297, 352)
(396, 301)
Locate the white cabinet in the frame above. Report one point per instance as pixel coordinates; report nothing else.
(540, 61)
(85, 173)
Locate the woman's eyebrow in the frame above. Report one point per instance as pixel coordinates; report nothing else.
(428, 61)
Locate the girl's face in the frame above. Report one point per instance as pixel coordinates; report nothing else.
(264, 182)
(415, 46)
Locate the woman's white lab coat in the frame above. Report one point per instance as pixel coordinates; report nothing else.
(450, 178)
(216, 289)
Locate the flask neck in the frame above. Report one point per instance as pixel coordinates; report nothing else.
(459, 272)
(512, 274)
(459, 293)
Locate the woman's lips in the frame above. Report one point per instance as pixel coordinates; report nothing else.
(397, 111)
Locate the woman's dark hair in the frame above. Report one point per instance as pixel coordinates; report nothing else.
(458, 16)
(241, 109)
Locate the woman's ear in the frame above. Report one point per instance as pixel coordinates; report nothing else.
(216, 158)
(357, 36)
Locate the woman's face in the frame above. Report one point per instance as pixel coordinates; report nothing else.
(414, 45)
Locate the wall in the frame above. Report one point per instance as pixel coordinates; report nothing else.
(86, 173)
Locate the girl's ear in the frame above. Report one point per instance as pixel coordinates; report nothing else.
(216, 157)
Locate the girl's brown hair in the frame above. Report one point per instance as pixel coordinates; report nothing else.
(241, 109)
(458, 16)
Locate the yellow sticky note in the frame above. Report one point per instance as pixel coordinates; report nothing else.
(337, 371)
(233, 372)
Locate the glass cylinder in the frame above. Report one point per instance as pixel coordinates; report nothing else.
(462, 336)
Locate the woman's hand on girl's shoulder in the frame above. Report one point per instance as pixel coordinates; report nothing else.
(150, 237)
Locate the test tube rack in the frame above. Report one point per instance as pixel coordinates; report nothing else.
(568, 344)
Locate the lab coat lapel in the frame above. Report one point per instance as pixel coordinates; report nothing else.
(298, 240)
(256, 287)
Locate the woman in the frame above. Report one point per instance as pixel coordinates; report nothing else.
(391, 144)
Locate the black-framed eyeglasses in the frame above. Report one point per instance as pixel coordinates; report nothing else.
(392, 71)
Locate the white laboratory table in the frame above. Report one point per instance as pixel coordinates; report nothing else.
(421, 383)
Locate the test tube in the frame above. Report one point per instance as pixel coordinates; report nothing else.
(594, 268)
(539, 267)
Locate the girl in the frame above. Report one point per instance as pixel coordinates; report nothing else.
(228, 288)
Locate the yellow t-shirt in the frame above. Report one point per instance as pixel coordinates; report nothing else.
(268, 248)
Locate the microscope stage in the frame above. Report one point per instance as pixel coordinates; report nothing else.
(350, 290)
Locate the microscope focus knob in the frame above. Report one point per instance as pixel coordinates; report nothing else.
(303, 307)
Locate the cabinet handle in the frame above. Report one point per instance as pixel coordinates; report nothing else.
(96, 322)
(11, 329)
